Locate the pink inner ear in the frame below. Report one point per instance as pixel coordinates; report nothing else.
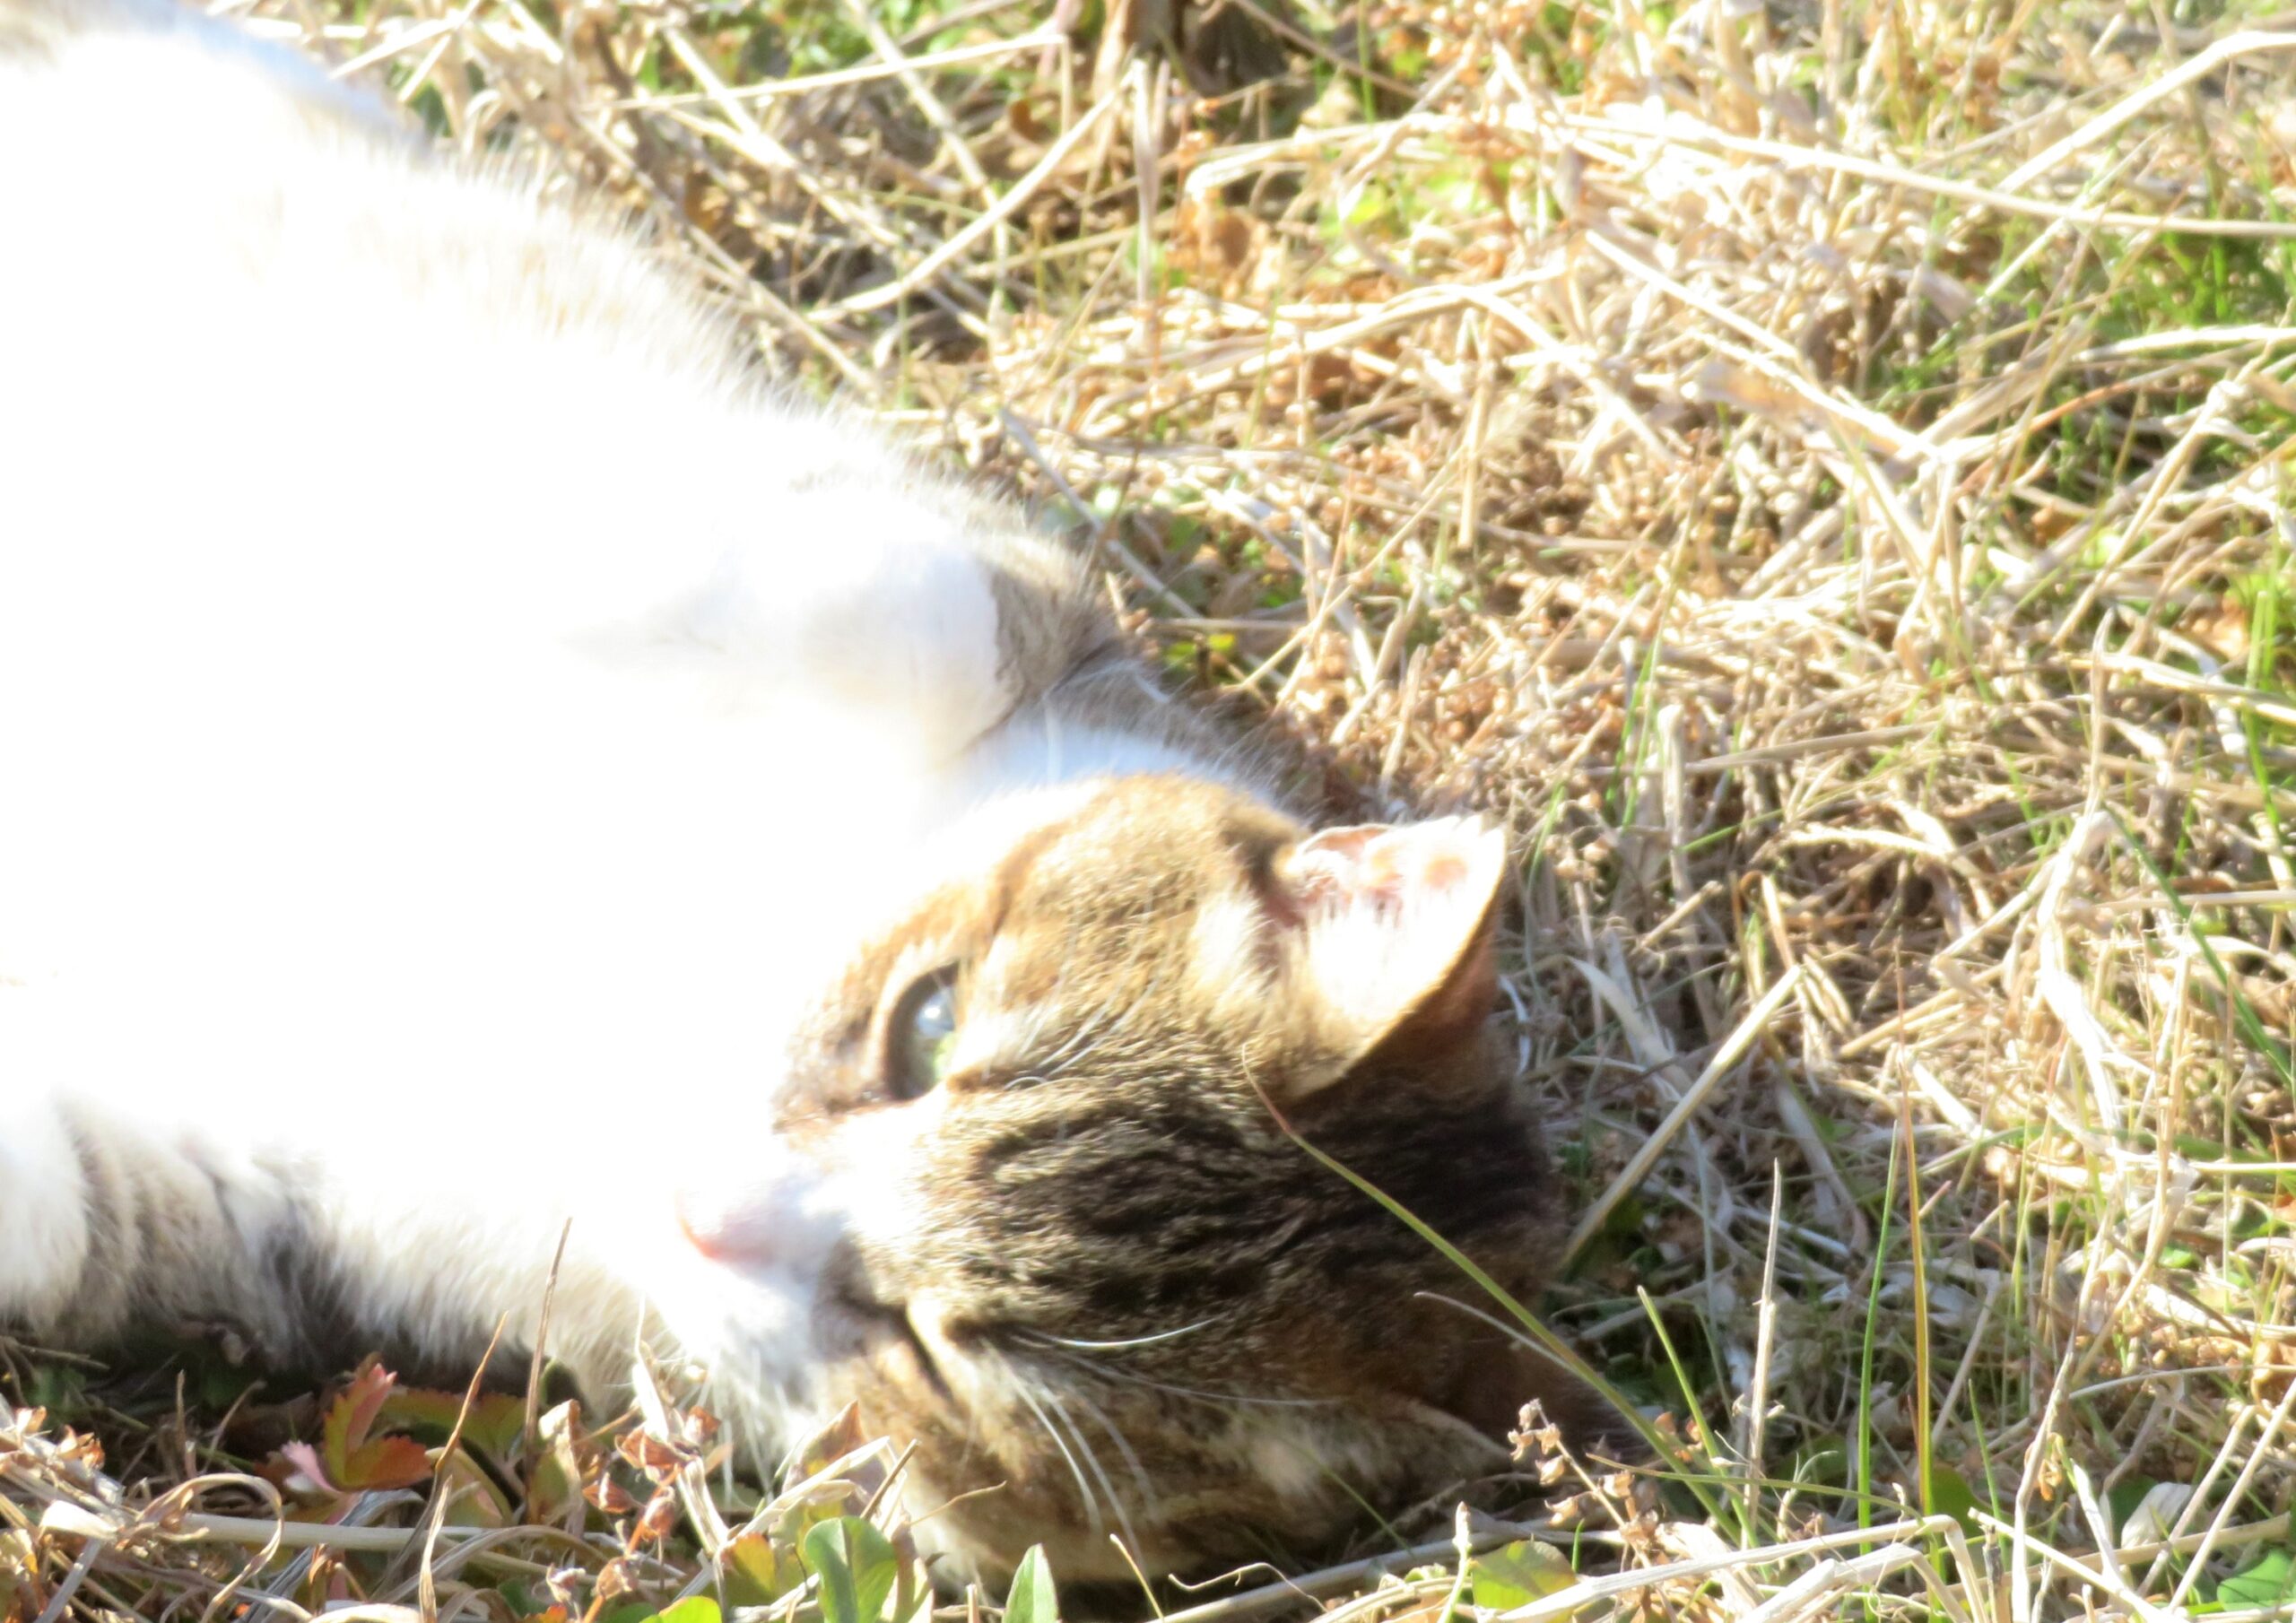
(1445, 871)
(1394, 926)
(1382, 866)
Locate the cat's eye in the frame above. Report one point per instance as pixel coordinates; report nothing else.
(923, 1036)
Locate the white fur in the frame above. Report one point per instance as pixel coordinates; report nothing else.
(43, 1215)
(447, 713)
(452, 722)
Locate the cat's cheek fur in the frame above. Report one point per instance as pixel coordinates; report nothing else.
(773, 1296)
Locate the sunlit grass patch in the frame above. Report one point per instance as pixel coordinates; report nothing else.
(1821, 473)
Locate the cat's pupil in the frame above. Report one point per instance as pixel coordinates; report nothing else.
(924, 1034)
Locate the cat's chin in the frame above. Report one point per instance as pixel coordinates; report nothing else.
(980, 1502)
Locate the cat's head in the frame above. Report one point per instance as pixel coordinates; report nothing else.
(1036, 1175)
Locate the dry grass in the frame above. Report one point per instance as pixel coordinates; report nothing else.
(1823, 475)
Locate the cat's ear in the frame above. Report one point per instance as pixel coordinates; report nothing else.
(1392, 928)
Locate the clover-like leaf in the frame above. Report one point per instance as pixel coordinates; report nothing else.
(1033, 1598)
(756, 1574)
(2268, 1582)
(1515, 1575)
(857, 1567)
(350, 1458)
(495, 1422)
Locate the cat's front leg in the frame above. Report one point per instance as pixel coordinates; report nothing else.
(45, 1230)
(109, 1223)
(115, 1218)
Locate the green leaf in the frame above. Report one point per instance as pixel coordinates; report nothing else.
(2124, 1495)
(797, 1521)
(1515, 1574)
(694, 1609)
(59, 1389)
(1032, 1600)
(757, 1574)
(2269, 1582)
(858, 1567)
(1950, 1494)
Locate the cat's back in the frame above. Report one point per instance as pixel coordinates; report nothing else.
(268, 347)
(145, 50)
(259, 327)
(204, 182)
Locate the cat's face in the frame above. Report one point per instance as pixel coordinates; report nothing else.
(1035, 1180)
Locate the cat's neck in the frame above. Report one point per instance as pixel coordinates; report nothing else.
(1117, 725)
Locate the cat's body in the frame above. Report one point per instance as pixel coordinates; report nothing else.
(471, 758)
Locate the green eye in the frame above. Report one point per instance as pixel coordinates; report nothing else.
(924, 1035)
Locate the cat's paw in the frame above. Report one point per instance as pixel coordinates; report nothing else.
(891, 624)
(896, 613)
(44, 1235)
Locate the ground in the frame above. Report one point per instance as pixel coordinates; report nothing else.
(1822, 475)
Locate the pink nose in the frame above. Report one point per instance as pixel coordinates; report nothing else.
(724, 1234)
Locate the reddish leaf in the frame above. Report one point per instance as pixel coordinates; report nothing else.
(610, 1497)
(659, 1519)
(350, 1458)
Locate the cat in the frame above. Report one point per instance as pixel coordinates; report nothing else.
(478, 767)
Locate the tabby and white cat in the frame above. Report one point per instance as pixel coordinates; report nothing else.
(472, 757)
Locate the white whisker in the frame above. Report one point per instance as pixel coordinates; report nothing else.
(1148, 1497)
(1233, 1399)
(1138, 1340)
(1091, 1501)
(1085, 1446)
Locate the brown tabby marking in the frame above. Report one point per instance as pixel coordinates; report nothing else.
(1131, 1298)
